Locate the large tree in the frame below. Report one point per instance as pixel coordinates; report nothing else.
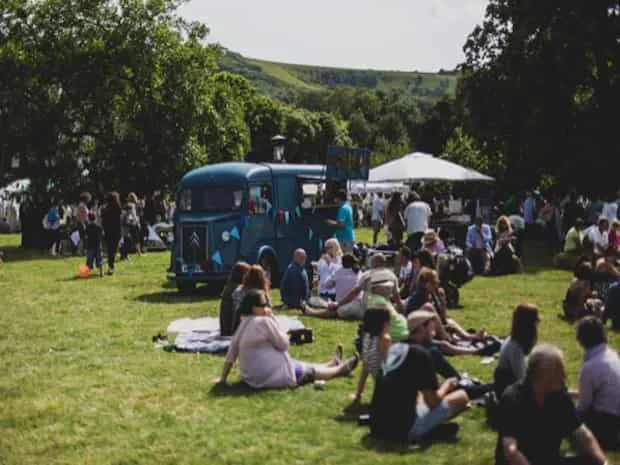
(541, 87)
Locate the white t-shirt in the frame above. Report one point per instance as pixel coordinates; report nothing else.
(610, 211)
(417, 215)
(326, 270)
(377, 209)
(598, 238)
(405, 271)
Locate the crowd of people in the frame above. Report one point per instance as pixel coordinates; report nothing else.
(405, 335)
(91, 227)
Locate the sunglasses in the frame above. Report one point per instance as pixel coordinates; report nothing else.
(261, 305)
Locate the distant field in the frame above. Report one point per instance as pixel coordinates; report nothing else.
(282, 80)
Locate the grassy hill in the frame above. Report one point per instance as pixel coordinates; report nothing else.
(283, 80)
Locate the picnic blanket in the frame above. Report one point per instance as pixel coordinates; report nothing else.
(202, 335)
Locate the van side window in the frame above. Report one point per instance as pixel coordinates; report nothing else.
(260, 199)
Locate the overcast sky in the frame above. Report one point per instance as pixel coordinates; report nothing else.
(423, 35)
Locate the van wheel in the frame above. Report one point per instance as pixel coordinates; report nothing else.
(268, 262)
(186, 287)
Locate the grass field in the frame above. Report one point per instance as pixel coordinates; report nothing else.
(82, 384)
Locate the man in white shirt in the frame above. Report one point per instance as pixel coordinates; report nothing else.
(376, 217)
(417, 216)
(599, 236)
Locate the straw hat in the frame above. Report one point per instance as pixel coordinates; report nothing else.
(430, 237)
(418, 318)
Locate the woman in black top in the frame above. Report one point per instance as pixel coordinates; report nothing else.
(111, 222)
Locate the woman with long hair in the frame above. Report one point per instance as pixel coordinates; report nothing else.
(227, 310)
(506, 259)
(254, 278)
(329, 263)
(262, 349)
(523, 337)
(111, 222)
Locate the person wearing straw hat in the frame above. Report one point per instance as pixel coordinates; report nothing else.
(408, 404)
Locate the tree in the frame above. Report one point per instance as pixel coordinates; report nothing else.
(541, 87)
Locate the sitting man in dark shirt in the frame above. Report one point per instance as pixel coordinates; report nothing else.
(535, 414)
(395, 412)
(295, 288)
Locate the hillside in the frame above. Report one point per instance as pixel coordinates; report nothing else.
(284, 81)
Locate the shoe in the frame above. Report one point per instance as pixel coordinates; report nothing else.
(351, 364)
(110, 272)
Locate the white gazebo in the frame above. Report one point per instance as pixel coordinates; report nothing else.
(420, 166)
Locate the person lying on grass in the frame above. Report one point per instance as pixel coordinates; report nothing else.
(262, 349)
(427, 298)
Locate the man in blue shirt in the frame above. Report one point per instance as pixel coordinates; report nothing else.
(343, 223)
(294, 287)
(479, 246)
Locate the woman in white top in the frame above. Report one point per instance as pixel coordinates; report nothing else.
(330, 262)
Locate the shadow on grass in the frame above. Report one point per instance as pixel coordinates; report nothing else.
(15, 253)
(239, 389)
(175, 297)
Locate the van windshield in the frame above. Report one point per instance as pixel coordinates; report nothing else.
(211, 199)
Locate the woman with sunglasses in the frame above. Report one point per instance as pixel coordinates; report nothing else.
(262, 349)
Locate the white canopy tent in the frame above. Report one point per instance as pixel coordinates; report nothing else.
(420, 166)
(363, 187)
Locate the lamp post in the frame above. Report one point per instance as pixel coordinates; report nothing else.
(278, 142)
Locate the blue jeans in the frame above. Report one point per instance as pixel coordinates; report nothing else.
(94, 255)
(428, 419)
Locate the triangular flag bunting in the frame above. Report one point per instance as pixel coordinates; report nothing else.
(217, 257)
(234, 233)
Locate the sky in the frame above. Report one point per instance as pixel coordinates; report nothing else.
(408, 35)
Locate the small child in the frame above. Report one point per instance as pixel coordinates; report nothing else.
(405, 265)
(330, 262)
(93, 235)
(294, 287)
(376, 341)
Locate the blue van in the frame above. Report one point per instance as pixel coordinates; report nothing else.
(255, 212)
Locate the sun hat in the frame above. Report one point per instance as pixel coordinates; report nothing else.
(418, 318)
(430, 237)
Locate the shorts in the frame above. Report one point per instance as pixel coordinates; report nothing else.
(94, 255)
(326, 296)
(304, 372)
(427, 419)
(351, 311)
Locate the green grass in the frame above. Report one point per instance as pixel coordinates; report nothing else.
(82, 384)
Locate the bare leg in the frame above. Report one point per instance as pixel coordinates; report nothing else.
(457, 401)
(319, 313)
(357, 397)
(326, 372)
(337, 359)
(462, 334)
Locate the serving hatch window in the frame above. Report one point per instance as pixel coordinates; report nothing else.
(211, 199)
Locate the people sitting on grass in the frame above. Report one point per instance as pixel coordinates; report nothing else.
(94, 237)
(327, 265)
(396, 413)
(262, 349)
(479, 246)
(433, 243)
(581, 299)
(506, 260)
(376, 341)
(227, 305)
(599, 383)
(536, 414)
(598, 236)
(341, 283)
(378, 273)
(523, 336)
(428, 298)
(573, 247)
(295, 287)
(254, 278)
